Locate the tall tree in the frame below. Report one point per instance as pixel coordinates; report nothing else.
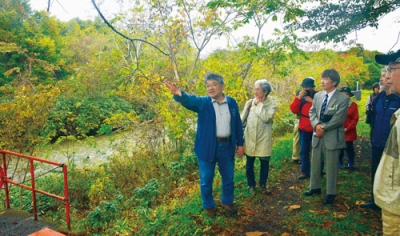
(333, 20)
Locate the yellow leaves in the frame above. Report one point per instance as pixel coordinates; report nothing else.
(125, 71)
(9, 47)
(339, 215)
(294, 207)
(25, 116)
(11, 71)
(256, 233)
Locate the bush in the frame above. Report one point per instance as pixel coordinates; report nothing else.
(83, 116)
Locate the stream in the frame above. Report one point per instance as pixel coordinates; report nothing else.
(93, 150)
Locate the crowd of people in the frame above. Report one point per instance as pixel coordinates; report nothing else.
(325, 130)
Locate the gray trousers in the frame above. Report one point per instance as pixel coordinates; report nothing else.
(331, 158)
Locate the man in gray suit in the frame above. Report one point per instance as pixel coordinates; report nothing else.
(327, 116)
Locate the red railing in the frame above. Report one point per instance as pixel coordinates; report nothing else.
(7, 180)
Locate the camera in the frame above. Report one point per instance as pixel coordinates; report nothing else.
(308, 93)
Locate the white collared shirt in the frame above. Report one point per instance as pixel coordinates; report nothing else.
(223, 118)
(329, 95)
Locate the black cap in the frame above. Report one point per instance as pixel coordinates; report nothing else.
(385, 59)
(308, 82)
(347, 90)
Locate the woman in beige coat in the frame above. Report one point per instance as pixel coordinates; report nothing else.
(258, 114)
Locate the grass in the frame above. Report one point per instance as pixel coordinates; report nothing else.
(173, 205)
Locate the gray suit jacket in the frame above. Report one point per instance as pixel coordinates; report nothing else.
(334, 117)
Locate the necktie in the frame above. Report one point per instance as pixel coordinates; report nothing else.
(321, 114)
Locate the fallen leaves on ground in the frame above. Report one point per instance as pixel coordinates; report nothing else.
(327, 224)
(294, 207)
(256, 233)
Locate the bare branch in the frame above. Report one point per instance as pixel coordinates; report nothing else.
(397, 41)
(123, 35)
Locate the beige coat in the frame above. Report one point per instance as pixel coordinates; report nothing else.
(387, 176)
(258, 131)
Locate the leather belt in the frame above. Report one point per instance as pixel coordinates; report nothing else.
(222, 139)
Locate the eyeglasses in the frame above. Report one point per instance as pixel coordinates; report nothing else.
(390, 70)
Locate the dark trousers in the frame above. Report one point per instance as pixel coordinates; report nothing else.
(264, 169)
(376, 158)
(350, 154)
(305, 147)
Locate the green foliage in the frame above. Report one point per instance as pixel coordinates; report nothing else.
(103, 216)
(332, 22)
(84, 116)
(109, 84)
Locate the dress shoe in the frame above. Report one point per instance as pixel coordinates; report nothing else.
(303, 176)
(312, 191)
(329, 199)
(297, 161)
(370, 205)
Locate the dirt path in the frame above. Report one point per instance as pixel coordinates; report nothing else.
(267, 215)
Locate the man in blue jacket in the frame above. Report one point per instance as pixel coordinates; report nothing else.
(219, 135)
(382, 108)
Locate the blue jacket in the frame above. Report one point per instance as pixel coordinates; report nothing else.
(206, 139)
(383, 108)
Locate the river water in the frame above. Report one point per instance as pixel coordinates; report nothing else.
(93, 150)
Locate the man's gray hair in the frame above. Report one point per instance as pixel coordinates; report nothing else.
(214, 76)
(264, 84)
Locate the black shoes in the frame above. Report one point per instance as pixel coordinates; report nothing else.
(312, 192)
(303, 176)
(329, 199)
(370, 205)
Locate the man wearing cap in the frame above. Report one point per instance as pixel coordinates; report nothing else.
(382, 108)
(350, 132)
(327, 115)
(301, 106)
(387, 176)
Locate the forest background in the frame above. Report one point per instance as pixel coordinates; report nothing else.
(83, 78)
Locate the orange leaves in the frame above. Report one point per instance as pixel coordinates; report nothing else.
(327, 224)
(248, 212)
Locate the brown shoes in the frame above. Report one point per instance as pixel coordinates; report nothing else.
(230, 209)
(210, 212)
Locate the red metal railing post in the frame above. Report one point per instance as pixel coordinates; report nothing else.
(66, 196)
(33, 189)
(5, 182)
